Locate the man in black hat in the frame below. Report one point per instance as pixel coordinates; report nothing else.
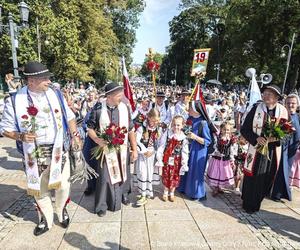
(210, 107)
(39, 119)
(182, 107)
(163, 108)
(261, 169)
(113, 184)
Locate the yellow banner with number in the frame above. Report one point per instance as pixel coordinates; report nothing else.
(200, 61)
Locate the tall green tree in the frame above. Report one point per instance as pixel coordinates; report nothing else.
(80, 39)
(254, 33)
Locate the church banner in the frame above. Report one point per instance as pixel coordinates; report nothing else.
(200, 61)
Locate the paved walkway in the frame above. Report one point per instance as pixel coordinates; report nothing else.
(218, 223)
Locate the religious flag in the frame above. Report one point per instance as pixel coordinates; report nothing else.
(126, 84)
(200, 61)
(254, 96)
(198, 95)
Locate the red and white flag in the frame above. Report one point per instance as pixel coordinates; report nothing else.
(126, 84)
(198, 95)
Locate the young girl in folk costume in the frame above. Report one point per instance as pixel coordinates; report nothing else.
(140, 114)
(239, 163)
(219, 172)
(172, 156)
(146, 174)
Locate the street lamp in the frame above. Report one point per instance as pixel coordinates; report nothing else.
(290, 47)
(174, 72)
(12, 29)
(218, 29)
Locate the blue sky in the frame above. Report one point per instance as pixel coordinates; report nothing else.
(154, 27)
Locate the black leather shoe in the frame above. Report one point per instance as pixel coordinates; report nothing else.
(66, 219)
(204, 198)
(249, 211)
(41, 228)
(88, 191)
(125, 200)
(276, 199)
(101, 213)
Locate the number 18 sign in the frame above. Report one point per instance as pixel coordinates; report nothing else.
(200, 61)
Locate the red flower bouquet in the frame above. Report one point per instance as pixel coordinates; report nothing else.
(187, 128)
(275, 129)
(114, 136)
(153, 66)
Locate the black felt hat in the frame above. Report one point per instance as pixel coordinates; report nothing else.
(160, 94)
(112, 87)
(36, 69)
(185, 92)
(274, 88)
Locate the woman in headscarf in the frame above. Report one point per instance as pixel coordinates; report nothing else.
(192, 184)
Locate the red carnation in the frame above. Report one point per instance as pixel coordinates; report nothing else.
(157, 66)
(189, 122)
(283, 121)
(109, 131)
(115, 141)
(32, 111)
(124, 129)
(122, 136)
(121, 141)
(117, 131)
(112, 125)
(223, 142)
(151, 65)
(24, 117)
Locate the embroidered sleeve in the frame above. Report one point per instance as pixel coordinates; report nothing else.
(233, 151)
(141, 147)
(185, 155)
(161, 149)
(134, 114)
(8, 122)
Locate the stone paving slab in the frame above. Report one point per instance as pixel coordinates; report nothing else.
(176, 235)
(21, 237)
(92, 236)
(134, 239)
(217, 223)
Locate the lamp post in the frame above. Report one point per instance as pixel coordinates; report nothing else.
(12, 29)
(290, 47)
(174, 72)
(217, 29)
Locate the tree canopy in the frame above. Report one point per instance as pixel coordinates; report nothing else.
(80, 39)
(252, 35)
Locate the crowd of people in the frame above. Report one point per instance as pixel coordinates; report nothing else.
(171, 140)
